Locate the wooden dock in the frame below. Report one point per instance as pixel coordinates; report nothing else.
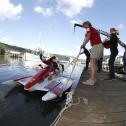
(101, 105)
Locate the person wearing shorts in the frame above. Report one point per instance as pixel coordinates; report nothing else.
(93, 36)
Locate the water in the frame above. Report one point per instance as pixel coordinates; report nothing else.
(25, 108)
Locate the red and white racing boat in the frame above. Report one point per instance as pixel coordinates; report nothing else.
(45, 80)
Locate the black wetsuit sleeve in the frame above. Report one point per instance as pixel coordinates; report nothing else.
(87, 53)
(113, 40)
(41, 57)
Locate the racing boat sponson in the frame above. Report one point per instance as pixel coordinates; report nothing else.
(39, 77)
(62, 85)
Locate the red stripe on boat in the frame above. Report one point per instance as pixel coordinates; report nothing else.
(40, 76)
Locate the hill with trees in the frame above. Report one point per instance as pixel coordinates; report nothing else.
(6, 48)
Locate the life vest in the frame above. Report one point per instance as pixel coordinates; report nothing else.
(106, 45)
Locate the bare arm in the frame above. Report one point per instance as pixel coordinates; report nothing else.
(86, 40)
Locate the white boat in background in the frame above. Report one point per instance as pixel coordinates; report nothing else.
(32, 57)
(64, 62)
(119, 61)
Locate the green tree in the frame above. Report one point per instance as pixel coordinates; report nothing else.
(2, 49)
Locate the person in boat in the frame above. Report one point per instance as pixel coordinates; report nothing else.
(52, 63)
(113, 44)
(93, 36)
(124, 60)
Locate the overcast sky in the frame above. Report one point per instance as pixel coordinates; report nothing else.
(22, 22)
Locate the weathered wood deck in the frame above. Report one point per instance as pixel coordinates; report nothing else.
(101, 105)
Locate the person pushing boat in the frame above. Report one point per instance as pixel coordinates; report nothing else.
(93, 36)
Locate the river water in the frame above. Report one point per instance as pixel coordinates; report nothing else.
(23, 108)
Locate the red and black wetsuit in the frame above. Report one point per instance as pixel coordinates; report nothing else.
(51, 63)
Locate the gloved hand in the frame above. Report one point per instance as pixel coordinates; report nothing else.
(75, 25)
(82, 47)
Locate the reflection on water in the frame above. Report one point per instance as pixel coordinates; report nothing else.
(25, 108)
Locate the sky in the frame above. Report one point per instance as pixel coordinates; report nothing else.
(49, 23)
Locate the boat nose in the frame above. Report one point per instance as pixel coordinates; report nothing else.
(49, 96)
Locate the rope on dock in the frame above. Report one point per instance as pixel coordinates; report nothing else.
(68, 104)
(69, 99)
(81, 99)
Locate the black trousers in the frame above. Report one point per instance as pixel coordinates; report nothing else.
(87, 62)
(111, 64)
(87, 54)
(99, 63)
(125, 67)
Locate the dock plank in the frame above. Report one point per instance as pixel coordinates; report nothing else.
(101, 105)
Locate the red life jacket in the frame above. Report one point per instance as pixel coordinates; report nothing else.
(106, 45)
(95, 36)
